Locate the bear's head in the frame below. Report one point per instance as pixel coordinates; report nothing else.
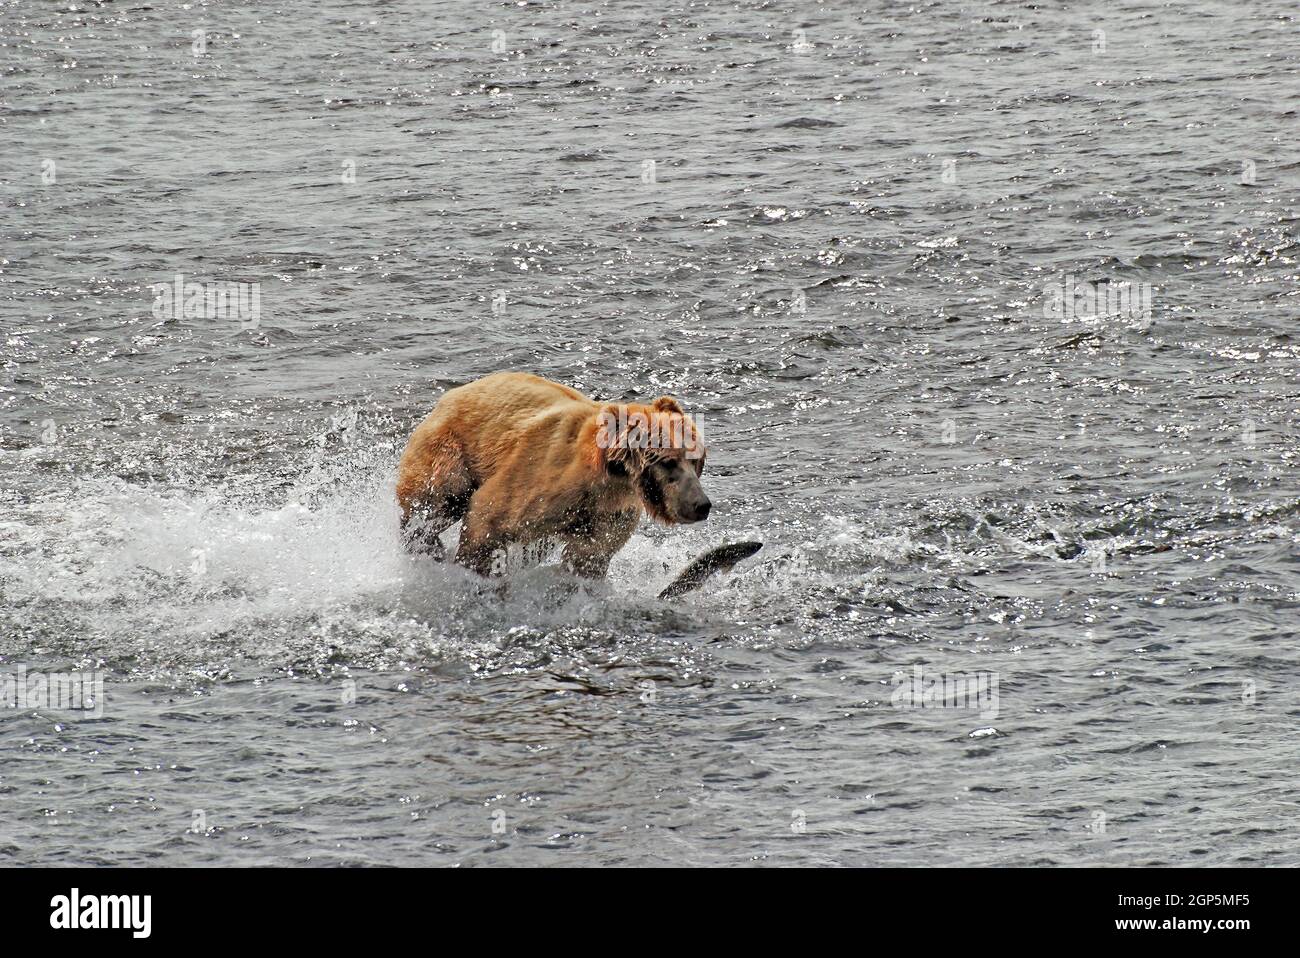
(658, 449)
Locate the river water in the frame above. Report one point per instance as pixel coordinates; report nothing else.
(988, 312)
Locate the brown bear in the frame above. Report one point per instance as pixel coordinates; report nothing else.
(519, 459)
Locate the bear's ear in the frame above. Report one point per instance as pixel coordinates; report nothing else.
(668, 404)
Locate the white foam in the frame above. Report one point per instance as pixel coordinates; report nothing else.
(242, 567)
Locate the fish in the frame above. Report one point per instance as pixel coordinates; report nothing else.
(719, 559)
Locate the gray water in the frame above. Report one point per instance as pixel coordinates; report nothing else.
(839, 248)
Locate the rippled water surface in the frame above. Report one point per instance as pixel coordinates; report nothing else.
(832, 232)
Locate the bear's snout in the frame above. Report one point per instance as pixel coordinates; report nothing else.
(700, 510)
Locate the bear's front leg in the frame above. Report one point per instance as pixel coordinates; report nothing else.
(589, 548)
(587, 559)
(480, 544)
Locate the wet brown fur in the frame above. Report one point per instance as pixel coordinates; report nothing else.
(516, 459)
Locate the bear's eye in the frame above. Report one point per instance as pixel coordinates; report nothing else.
(670, 466)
